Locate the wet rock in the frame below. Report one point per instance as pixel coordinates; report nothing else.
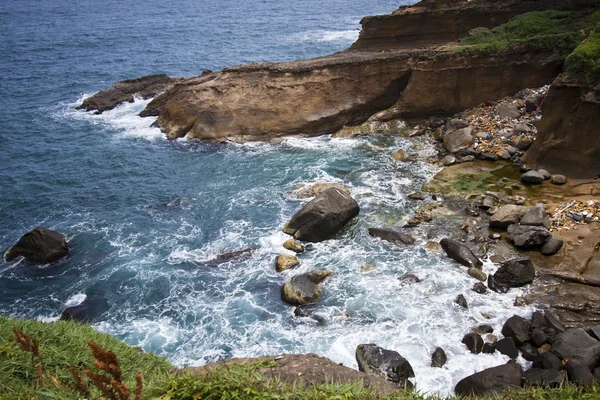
(479, 288)
(474, 342)
(438, 358)
(226, 257)
(536, 216)
(489, 348)
(483, 328)
(538, 337)
(558, 179)
(552, 321)
(460, 253)
(391, 236)
(517, 328)
(477, 274)
(472, 211)
(532, 177)
(124, 91)
(305, 312)
(293, 245)
(547, 175)
(548, 360)
(537, 320)
(409, 279)
(39, 245)
(461, 301)
(490, 382)
(513, 273)
(507, 347)
(305, 288)
(458, 140)
(448, 160)
(507, 215)
(528, 352)
(543, 378)
(552, 246)
(577, 344)
(416, 196)
(88, 310)
(403, 156)
(389, 364)
(303, 191)
(580, 373)
(285, 262)
(528, 236)
(323, 216)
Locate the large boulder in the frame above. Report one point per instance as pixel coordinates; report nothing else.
(460, 253)
(513, 273)
(374, 360)
(517, 328)
(543, 377)
(536, 216)
(124, 91)
(577, 344)
(391, 236)
(304, 288)
(303, 191)
(528, 236)
(284, 262)
(474, 342)
(507, 215)
(459, 140)
(40, 245)
(323, 216)
(490, 382)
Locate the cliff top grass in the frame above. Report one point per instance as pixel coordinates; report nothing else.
(585, 59)
(62, 347)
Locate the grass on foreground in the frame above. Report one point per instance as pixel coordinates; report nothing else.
(62, 345)
(533, 30)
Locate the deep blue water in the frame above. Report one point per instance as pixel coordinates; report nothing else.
(140, 211)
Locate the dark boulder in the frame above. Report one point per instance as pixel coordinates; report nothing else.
(323, 216)
(489, 348)
(537, 320)
(92, 307)
(548, 360)
(532, 177)
(479, 288)
(391, 236)
(308, 312)
(538, 337)
(513, 273)
(474, 342)
(460, 253)
(374, 360)
(462, 302)
(238, 255)
(528, 351)
(507, 215)
(552, 321)
(409, 279)
(528, 236)
(304, 288)
(507, 347)
(536, 216)
(490, 382)
(40, 245)
(577, 344)
(438, 358)
(543, 377)
(124, 91)
(580, 373)
(516, 327)
(552, 246)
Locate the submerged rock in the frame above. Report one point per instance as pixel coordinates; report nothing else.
(391, 236)
(285, 262)
(323, 216)
(474, 342)
(460, 253)
(438, 358)
(294, 245)
(305, 288)
(226, 257)
(40, 245)
(374, 360)
(91, 308)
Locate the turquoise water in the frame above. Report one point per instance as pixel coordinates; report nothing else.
(142, 213)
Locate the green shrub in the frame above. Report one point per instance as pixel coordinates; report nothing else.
(585, 59)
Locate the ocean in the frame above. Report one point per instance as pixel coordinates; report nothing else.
(143, 214)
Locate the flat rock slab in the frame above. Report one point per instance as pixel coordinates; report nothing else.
(303, 370)
(460, 253)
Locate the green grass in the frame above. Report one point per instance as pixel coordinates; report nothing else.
(61, 345)
(585, 59)
(543, 30)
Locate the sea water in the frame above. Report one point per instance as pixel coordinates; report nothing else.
(143, 214)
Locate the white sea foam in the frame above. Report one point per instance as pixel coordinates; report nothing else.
(321, 35)
(76, 299)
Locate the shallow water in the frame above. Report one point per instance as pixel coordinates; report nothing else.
(141, 212)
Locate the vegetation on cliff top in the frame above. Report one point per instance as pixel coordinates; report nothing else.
(585, 59)
(62, 347)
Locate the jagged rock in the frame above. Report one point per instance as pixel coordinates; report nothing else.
(548, 360)
(408, 279)
(226, 257)
(458, 140)
(461, 301)
(580, 373)
(477, 274)
(543, 377)
(558, 179)
(391, 236)
(513, 273)
(552, 321)
(536, 216)
(302, 191)
(474, 342)
(374, 360)
(517, 328)
(460, 253)
(594, 331)
(323, 216)
(528, 236)
(507, 215)
(285, 262)
(552, 246)
(402, 155)
(533, 177)
(438, 358)
(92, 307)
(305, 288)
(479, 288)
(508, 347)
(294, 245)
(39, 245)
(124, 91)
(577, 344)
(490, 382)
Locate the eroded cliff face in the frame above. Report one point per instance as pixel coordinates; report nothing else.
(568, 140)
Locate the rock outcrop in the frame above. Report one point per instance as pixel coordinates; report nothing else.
(40, 245)
(304, 288)
(388, 364)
